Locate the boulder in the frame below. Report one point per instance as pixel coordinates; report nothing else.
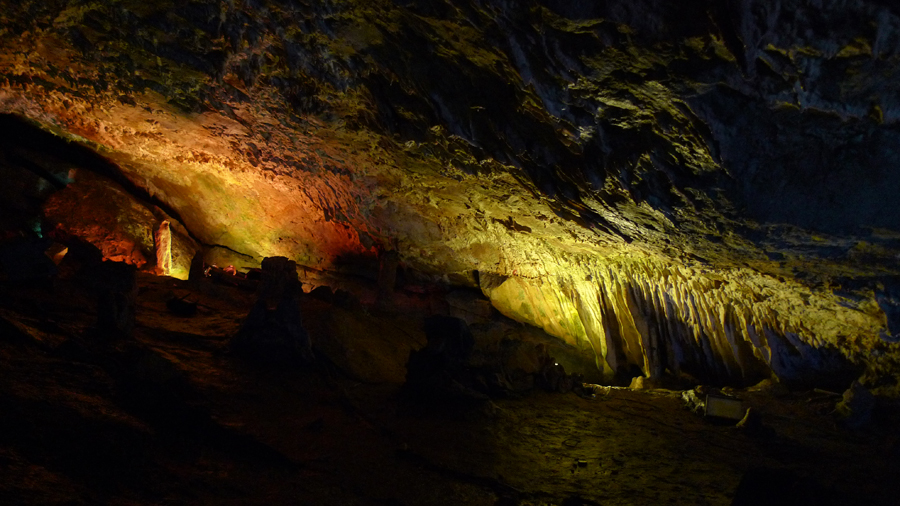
(694, 400)
(24, 259)
(439, 370)
(855, 408)
(637, 383)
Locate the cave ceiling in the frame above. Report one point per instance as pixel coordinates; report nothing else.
(714, 179)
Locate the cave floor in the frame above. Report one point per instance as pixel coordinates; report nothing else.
(172, 418)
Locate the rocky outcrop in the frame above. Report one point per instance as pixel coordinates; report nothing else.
(703, 187)
(125, 229)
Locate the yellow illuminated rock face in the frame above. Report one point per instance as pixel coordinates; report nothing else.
(594, 177)
(735, 326)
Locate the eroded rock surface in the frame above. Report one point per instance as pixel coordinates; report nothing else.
(699, 187)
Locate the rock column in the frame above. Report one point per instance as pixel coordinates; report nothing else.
(273, 331)
(163, 242)
(387, 279)
(116, 299)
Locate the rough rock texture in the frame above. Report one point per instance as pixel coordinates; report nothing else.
(681, 320)
(700, 187)
(106, 216)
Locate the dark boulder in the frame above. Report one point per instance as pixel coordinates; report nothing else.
(439, 370)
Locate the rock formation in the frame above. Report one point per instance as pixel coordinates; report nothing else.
(694, 187)
(163, 243)
(116, 300)
(273, 331)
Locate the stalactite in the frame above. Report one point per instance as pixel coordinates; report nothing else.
(668, 321)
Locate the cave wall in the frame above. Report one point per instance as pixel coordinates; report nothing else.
(703, 187)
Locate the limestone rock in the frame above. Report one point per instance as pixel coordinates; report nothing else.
(854, 410)
(102, 213)
(469, 306)
(439, 370)
(116, 299)
(710, 194)
(387, 278)
(273, 331)
(369, 347)
(180, 306)
(694, 401)
(637, 383)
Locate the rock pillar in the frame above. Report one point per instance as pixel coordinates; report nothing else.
(163, 241)
(116, 299)
(387, 278)
(273, 331)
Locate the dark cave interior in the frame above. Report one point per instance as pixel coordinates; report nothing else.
(452, 252)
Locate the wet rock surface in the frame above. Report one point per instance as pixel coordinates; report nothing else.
(855, 407)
